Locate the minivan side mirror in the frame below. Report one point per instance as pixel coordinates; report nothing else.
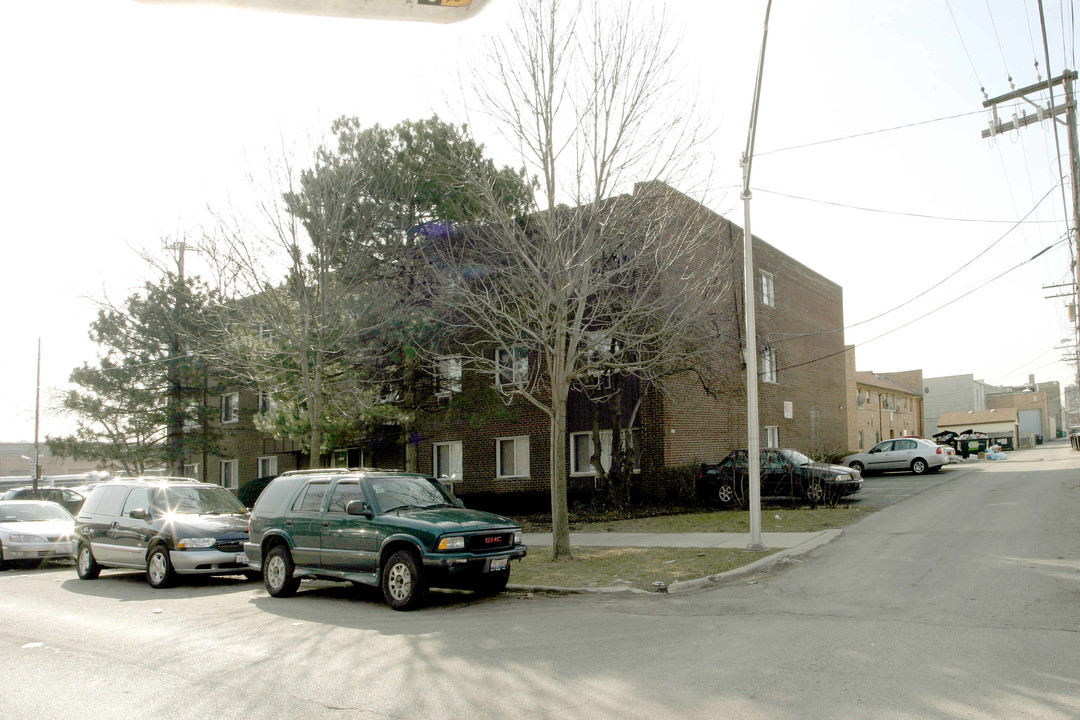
(359, 507)
(137, 514)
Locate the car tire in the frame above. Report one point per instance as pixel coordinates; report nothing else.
(277, 572)
(815, 492)
(726, 493)
(918, 466)
(858, 467)
(493, 583)
(2, 558)
(86, 567)
(159, 569)
(402, 581)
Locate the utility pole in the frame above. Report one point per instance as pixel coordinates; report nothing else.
(1050, 112)
(753, 431)
(37, 423)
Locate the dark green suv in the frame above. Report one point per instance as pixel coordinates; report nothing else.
(398, 531)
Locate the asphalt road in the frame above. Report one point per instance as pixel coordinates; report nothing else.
(958, 602)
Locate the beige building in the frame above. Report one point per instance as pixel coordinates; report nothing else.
(883, 406)
(1002, 426)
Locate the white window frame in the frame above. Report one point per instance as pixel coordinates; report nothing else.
(605, 453)
(267, 465)
(771, 435)
(768, 289)
(521, 457)
(447, 375)
(266, 333)
(230, 407)
(454, 447)
(230, 471)
(768, 364)
(189, 470)
(266, 403)
(512, 361)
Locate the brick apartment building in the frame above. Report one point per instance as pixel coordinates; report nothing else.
(489, 445)
(882, 405)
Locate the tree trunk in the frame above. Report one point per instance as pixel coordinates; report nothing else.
(560, 515)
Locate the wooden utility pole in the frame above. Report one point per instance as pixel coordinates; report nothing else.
(1050, 112)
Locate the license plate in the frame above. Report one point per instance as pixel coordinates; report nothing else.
(241, 558)
(498, 563)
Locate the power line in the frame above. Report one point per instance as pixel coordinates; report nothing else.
(900, 212)
(926, 314)
(982, 88)
(868, 133)
(937, 284)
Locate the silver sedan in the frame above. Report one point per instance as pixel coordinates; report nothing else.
(32, 531)
(915, 454)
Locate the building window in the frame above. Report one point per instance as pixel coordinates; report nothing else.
(768, 295)
(265, 403)
(189, 470)
(581, 450)
(768, 364)
(229, 473)
(230, 407)
(447, 461)
(266, 333)
(511, 366)
(512, 457)
(267, 466)
(448, 375)
(861, 446)
(772, 436)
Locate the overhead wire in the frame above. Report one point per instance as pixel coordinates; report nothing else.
(935, 285)
(931, 312)
(982, 88)
(869, 132)
(898, 212)
(1000, 48)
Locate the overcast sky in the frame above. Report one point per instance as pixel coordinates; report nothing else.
(122, 122)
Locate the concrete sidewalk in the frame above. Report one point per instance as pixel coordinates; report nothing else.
(786, 545)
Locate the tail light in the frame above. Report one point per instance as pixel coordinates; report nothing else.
(939, 450)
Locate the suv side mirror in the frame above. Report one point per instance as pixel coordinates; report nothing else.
(359, 507)
(137, 514)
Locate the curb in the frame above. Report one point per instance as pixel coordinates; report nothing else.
(826, 536)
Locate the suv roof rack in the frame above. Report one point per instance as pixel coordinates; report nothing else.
(324, 471)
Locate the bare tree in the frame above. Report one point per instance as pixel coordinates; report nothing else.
(593, 283)
(303, 295)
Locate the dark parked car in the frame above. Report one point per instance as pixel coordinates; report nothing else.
(784, 472)
(70, 499)
(167, 526)
(398, 531)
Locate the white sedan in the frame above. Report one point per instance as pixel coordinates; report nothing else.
(32, 531)
(915, 454)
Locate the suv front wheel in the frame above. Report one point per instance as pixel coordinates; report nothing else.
(402, 582)
(278, 572)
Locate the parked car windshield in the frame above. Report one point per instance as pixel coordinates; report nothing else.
(409, 493)
(32, 512)
(796, 457)
(210, 500)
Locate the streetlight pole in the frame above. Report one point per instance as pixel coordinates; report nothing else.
(753, 431)
(37, 420)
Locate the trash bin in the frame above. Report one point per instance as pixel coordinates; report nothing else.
(973, 446)
(1038, 439)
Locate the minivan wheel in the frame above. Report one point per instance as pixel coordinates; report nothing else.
(918, 466)
(402, 583)
(159, 569)
(85, 565)
(278, 572)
